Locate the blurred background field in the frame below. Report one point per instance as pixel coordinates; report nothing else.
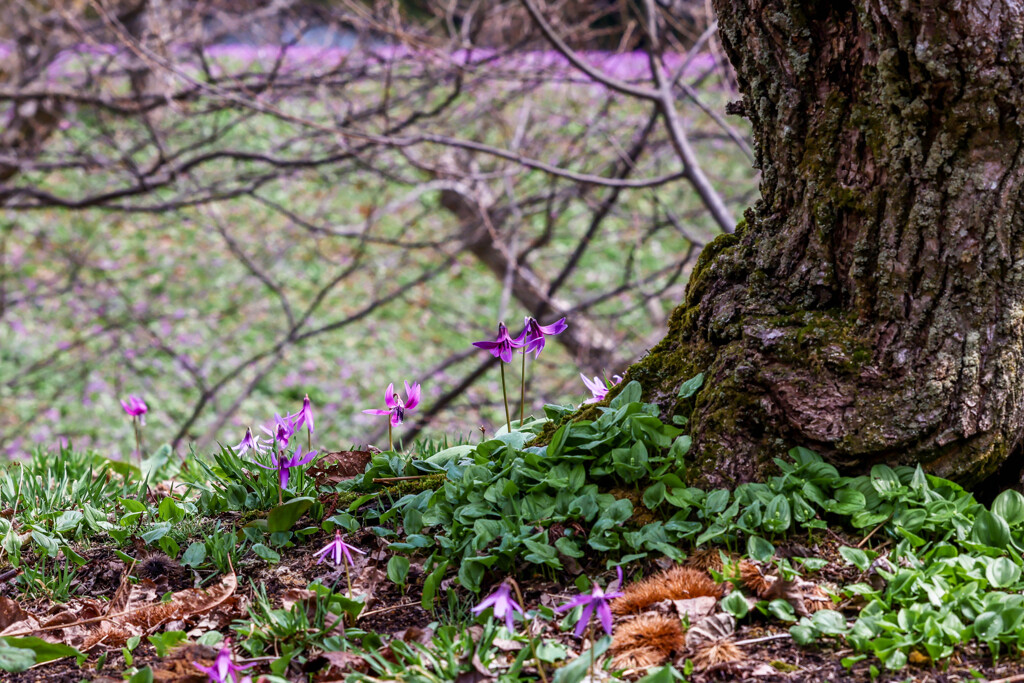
(254, 223)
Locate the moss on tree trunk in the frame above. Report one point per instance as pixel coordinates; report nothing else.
(871, 304)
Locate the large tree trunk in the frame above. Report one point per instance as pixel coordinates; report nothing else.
(871, 305)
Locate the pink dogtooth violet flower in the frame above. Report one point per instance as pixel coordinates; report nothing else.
(284, 465)
(281, 431)
(502, 346)
(598, 388)
(504, 606)
(224, 670)
(597, 600)
(303, 417)
(135, 407)
(396, 407)
(249, 442)
(532, 336)
(338, 551)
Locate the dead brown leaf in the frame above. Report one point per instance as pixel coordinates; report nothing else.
(695, 609)
(805, 596)
(86, 623)
(346, 662)
(11, 613)
(336, 467)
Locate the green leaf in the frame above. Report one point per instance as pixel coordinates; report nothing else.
(691, 386)
(46, 543)
(716, 501)
(829, 622)
(803, 634)
(735, 604)
(430, 585)
(1010, 506)
(847, 502)
(73, 556)
(1002, 572)
(777, 515)
(67, 521)
(654, 495)
(142, 676)
(164, 642)
(855, 556)
(760, 549)
(46, 651)
(16, 659)
(631, 393)
(267, 554)
(666, 674)
(990, 530)
(169, 546)
(132, 505)
(157, 532)
(284, 517)
(576, 670)
(160, 464)
(194, 555)
(988, 626)
(170, 511)
(398, 569)
(781, 609)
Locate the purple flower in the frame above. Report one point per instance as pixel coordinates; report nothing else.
(338, 550)
(250, 442)
(281, 431)
(598, 388)
(596, 600)
(283, 465)
(532, 336)
(396, 407)
(304, 416)
(502, 346)
(504, 605)
(223, 669)
(135, 407)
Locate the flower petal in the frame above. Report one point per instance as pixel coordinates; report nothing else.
(581, 625)
(377, 411)
(389, 396)
(412, 392)
(604, 613)
(556, 327)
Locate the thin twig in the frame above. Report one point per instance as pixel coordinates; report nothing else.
(866, 538)
(386, 609)
(751, 641)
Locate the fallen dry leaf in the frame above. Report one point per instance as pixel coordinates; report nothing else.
(805, 596)
(711, 629)
(86, 623)
(336, 467)
(695, 609)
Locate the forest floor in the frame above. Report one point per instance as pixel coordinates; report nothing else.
(113, 571)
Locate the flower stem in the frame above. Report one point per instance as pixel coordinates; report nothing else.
(309, 440)
(522, 394)
(508, 421)
(138, 438)
(391, 445)
(348, 582)
(529, 634)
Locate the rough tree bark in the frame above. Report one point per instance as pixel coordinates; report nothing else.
(871, 304)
